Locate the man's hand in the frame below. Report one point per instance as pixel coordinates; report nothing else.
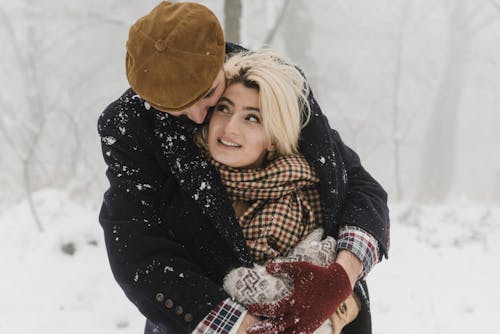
(351, 264)
(247, 321)
(316, 294)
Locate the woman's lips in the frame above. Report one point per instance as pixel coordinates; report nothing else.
(228, 143)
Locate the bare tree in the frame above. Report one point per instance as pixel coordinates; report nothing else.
(495, 4)
(439, 157)
(438, 161)
(232, 19)
(397, 131)
(297, 36)
(44, 133)
(279, 20)
(33, 123)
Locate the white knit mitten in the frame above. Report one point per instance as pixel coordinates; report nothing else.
(313, 250)
(255, 285)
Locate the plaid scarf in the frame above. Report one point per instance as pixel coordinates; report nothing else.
(284, 204)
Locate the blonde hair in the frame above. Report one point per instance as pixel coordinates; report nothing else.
(283, 92)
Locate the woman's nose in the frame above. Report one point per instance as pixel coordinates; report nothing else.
(232, 124)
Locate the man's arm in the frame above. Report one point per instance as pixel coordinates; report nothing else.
(155, 272)
(355, 197)
(365, 204)
(362, 248)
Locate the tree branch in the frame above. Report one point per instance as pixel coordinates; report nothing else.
(495, 4)
(272, 33)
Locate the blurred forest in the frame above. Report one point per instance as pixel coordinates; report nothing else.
(412, 86)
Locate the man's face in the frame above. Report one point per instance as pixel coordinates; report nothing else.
(198, 112)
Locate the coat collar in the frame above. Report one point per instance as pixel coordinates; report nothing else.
(198, 178)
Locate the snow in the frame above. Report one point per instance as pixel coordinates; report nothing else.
(109, 140)
(443, 261)
(440, 276)
(442, 271)
(47, 291)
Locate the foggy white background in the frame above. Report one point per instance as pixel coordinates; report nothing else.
(413, 86)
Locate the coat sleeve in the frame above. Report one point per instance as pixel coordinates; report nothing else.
(363, 201)
(365, 204)
(156, 273)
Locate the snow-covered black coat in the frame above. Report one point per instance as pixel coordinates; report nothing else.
(170, 230)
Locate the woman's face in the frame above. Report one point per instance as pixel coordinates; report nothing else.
(236, 135)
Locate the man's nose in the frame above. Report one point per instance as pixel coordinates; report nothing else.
(197, 115)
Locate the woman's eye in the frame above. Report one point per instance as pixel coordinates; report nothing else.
(222, 108)
(253, 118)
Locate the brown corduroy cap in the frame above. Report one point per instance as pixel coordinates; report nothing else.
(174, 54)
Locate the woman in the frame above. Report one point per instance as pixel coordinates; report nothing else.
(252, 139)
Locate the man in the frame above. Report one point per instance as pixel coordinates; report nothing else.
(173, 274)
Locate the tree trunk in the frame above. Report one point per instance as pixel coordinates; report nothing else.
(438, 164)
(272, 33)
(297, 35)
(232, 19)
(396, 110)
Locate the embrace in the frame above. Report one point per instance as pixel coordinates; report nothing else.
(233, 206)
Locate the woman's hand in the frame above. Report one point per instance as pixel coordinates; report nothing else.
(316, 294)
(247, 321)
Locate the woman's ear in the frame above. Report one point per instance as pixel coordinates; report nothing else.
(271, 153)
(271, 147)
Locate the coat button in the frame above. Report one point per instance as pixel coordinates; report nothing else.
(160, 297)
(178, 310)
(188, 317)
(169, 303)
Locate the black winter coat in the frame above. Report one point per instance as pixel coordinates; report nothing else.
(170, 230)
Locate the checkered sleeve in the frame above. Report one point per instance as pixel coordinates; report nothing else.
(361, 244)
(224, 319)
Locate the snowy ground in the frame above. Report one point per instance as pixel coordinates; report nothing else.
(442, 273)
(440, 278)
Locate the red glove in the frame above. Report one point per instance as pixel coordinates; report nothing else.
(317, 292)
